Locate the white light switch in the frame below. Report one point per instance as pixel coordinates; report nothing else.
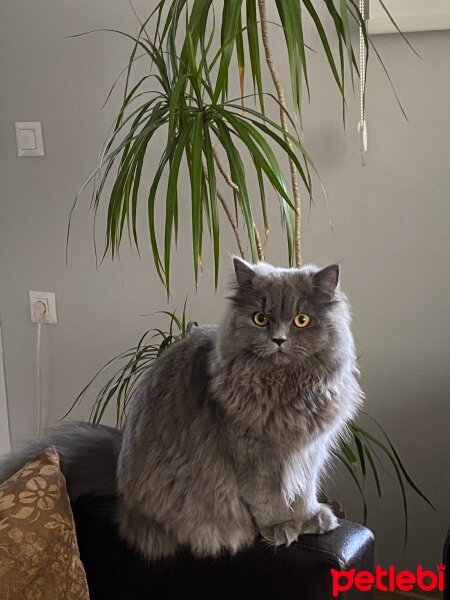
(29, 139)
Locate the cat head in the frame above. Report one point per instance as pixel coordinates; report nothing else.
(285, 315)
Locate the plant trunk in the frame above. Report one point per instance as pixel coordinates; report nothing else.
(235, 189)
(281, 99)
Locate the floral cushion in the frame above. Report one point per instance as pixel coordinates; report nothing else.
(39, 558)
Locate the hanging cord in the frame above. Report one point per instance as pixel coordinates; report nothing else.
(362, 125)
(39, 310)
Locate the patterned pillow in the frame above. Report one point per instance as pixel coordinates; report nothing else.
(39, 558)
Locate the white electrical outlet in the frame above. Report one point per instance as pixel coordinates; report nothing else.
(49, 300)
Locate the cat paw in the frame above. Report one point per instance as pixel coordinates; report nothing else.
(281, 534)
(322, 522)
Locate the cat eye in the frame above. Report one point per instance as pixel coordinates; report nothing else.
(302, 320)
(260, 319)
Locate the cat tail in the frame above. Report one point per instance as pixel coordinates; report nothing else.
(88, 455)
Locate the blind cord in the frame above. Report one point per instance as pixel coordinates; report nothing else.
(362, 126)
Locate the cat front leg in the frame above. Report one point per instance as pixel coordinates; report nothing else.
(311, 515)
(275, 519)
(282, 524)
(301, 476)
(284, 511)
(323, 521)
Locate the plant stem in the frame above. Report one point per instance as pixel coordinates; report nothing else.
(225, 175)
(232, 223)
(235, 189)
(259, 247)
(230, 218)
(283, 120)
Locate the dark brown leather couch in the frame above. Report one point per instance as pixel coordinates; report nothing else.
(300, 572)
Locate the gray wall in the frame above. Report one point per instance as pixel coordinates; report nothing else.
(390, 230)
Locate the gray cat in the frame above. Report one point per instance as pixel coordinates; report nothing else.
(230, 431)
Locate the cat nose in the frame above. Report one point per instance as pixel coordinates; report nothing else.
(279, 341)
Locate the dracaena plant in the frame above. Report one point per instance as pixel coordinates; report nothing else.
(182, 99)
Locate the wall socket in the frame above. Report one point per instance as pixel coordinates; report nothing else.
(49, 300)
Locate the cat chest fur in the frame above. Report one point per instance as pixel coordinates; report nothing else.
(277, 405)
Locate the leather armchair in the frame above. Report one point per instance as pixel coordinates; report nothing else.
(300, 572)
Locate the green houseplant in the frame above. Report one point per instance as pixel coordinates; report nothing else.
(194, 50)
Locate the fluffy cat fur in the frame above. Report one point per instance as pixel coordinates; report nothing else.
(230, 430)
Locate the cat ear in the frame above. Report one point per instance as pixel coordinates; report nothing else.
(326, 280)
(244, 271)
